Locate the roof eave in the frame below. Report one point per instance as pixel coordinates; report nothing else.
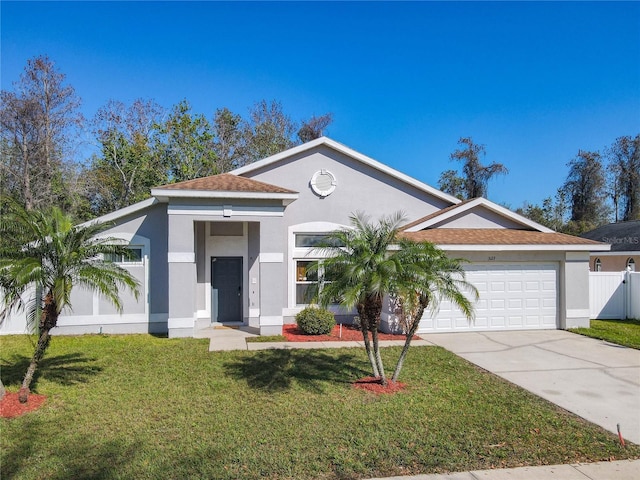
(164, 195)
(123, 212)
(523, 247)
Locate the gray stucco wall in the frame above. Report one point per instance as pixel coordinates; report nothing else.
(478, 218)
(151, 223)
(92, 314)
(359, 187)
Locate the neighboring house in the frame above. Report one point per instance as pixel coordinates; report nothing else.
(234, 248)
(624, 238)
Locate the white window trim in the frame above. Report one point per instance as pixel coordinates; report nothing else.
(303, 253)
(314, 183)
(128, 262)
(320, 275)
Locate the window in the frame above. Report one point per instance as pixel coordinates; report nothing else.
(597, 265)
(304, 282)
(631, 264)
(135, 256)
(323, 182)
(311, 240)
(307, 280)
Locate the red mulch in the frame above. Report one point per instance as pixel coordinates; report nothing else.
(349, 332)
(372, 384)
(11, 407)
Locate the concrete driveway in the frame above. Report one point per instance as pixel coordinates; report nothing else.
(596, 380)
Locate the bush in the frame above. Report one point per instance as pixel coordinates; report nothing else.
(315, 321)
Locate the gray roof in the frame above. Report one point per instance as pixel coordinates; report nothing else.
(623, 236)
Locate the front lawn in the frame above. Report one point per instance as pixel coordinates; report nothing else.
(122, 407)
(622, 332)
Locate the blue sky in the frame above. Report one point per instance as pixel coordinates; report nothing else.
(533, 82)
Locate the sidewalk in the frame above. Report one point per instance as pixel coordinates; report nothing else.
(618, 470)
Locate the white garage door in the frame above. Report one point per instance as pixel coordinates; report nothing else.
(519, 296)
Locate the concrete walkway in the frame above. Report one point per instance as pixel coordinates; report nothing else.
(619, 470)
(224, 338)
(596, 380)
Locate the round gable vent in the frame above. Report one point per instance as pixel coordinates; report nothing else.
(323, 182)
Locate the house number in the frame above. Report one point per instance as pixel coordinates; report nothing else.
(491, 259)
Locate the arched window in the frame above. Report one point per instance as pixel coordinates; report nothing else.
(597, 265)
(631, 264)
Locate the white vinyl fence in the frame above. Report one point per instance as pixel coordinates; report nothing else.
(614, 295)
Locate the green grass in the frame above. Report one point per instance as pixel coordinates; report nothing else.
(621, 332)
(122, 407)
(267, 338)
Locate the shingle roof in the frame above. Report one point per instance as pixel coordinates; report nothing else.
(226, 182)
(623, 236)
(494, 236)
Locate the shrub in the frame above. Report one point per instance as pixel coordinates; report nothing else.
(315, 321)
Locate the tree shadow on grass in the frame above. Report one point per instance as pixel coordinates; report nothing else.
(82, 456)
(68, 369)
(279, 369)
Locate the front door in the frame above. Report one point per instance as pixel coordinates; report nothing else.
(226, 289)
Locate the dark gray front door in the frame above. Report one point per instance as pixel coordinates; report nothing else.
(226, 285)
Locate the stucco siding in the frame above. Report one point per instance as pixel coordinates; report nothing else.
(359, 187)
(477, 218)
(151, 224)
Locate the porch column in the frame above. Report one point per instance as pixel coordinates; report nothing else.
(575, 287)
(182, 276)
(273, 276)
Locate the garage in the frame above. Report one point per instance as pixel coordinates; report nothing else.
(513, 296)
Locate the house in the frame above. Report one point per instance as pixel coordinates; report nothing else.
(233, 248)
(624, 238)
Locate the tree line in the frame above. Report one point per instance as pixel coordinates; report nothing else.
(599, 187)
(142, 144)
(139, 145)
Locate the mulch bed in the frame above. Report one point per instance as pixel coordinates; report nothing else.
(349, 333)
(10, 406)
(372, 384)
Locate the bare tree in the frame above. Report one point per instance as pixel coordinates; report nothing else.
(475, 176)
(37, 122)
(585, 190)
(624, 177)
(129, 163)
(228, 139)
(314, 127)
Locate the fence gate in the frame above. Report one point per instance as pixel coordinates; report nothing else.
(614, 295)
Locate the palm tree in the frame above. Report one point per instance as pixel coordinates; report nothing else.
(362, 272)
(42, 257)
(428, 276)
(368, 262)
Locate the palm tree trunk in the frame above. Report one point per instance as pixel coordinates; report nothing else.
(407, 343)
(373, 309)
(376, 349)
(364, 328)
(2, 390)
(43, 343)
(48, 320)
